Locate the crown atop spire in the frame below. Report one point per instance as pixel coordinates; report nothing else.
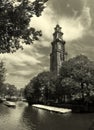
(57, 34)
(58, 28)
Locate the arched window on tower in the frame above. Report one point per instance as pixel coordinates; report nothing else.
(59, 46)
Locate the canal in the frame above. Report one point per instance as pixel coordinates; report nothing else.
(24, 117)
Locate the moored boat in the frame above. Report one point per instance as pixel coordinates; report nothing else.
(2, 100)
(52, 109)
(9, 103)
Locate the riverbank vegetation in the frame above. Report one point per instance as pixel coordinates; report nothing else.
(6, 90)
(73, 87)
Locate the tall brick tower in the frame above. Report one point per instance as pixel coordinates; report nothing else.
(57, 55)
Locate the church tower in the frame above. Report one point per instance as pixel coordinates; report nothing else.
(57, 55)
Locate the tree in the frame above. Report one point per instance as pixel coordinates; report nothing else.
(40, 89)
(70, 88)
(11, 90)
(15, 20)
(2, 76)
(81, 70)
(66, 89)
(32, 92)
(2, 72)
(47, 86)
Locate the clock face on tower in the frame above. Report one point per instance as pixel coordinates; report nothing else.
(58, 36)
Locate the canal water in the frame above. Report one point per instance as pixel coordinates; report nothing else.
(24, 117)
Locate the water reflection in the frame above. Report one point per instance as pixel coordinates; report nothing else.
(4, 111)
(42, 120)
(29, 118)
(24, 117)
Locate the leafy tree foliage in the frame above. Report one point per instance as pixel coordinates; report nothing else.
(32, 91)
(11, 90)
(66, 89)
(8, 90)
(81, 70)
(75, 81)
(5, 88)
(47, 86)
(15, 17)
(2, 73)
(40, 89)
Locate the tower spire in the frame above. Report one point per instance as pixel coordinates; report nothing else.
(57, 34)
(57, 55)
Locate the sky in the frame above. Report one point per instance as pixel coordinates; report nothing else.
(76, 17)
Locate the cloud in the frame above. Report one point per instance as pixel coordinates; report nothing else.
(71, 27)
(85, 46)
(85, 17)
(23, 65)
(20, 57)
(90, 4)
(66, 7)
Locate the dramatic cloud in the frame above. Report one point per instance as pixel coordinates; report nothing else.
(83, 46)
(85, 17)
(66, 7)
(71, 27)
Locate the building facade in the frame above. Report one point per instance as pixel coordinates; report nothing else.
(57, 55)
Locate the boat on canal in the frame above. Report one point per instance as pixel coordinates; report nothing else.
(9, 103)
(52, 109)
(2, 100)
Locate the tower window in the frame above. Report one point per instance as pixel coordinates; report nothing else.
(59, 46)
